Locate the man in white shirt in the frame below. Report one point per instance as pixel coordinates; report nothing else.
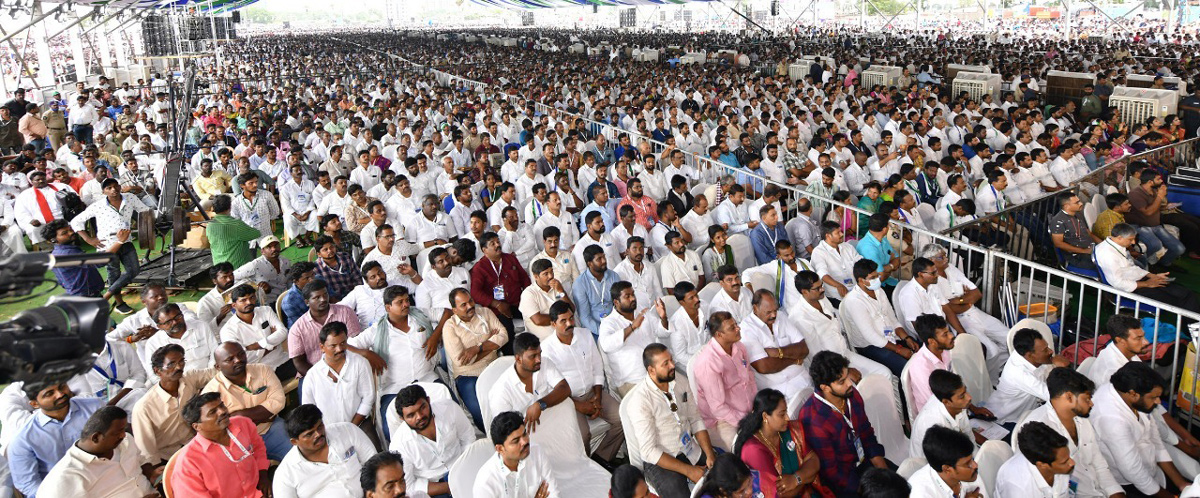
(633, 269)
(299, 219)
(519, 468)
(1022, 385)
(873, 328)
(574, 353)
(325, 459)
(1118, 268)
(101, 463)
(556, 216)
(834, 261)
(947, 409)
(433, 435)
(1067, 413)
(624, 334)
(269, 270)
(174, 326)
(733, 214)
(392, 255)
(537, 299)
(1136, 454)
(366, 299)
(777, 351)
(341, 383)
(37, 205)
(697, 221)
(1041, 467)
(822, 327)
(259, 330)
(528, 387)
(595, 236)
(433, 295)
(951, 471)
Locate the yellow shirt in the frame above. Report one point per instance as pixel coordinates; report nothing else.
(262, 389)
(216, 183)
(458, 336)
(158, 427)
(1105, 223)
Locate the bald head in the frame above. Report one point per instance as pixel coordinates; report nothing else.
(231, 360)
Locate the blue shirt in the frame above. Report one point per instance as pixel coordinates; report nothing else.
(763, 240)
(613, 193)
(878, 251)
(730, 160)
(43, 441)
(293, 305)
(605, 214)
(593, 298)
(78, 280)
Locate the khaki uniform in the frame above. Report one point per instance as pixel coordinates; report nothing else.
(56, 126)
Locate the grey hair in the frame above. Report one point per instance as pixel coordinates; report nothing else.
(931, 251)
(728, 180)
(1123, 230)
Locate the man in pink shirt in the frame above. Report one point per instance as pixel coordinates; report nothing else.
(226, 458)
(935, 355)
(723, 380)
(302, 341)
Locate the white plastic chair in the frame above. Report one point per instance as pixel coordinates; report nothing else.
(743, 251)
(1090, 213)
(670, 305)
(968, 361)
(1030, 323)
(699, 189)
(990, 457)
(423, 259)
(1099, 202)
(1017, 429)
(880, 401)
(761, 281)
(707, 293)
(910, 466)
(631, 441)
(911, 406)
(435, 391)
(465, 469)
(483, 387)
(1085, 366)
(927, 212)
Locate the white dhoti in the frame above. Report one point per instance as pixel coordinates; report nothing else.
(992, 334)
(293, 227)
(13, 241)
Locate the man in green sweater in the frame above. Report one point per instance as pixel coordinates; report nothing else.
(228, 237)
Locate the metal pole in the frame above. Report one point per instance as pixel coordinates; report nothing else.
(69, 26)
(109, 18)
(123, 24)
(34, 21)
(20, 59)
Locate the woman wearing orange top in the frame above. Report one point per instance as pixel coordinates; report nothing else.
(774, 446)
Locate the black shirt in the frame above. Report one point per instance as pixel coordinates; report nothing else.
(1074, 229)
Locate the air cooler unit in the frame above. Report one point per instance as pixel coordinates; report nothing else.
(798, 71)
(880, 75)
(952, 70)
(1146, 80)
(977, 85)
(1137, 104)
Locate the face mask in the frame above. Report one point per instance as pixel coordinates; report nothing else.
(874, 284)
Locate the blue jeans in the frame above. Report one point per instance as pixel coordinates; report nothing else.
(466, 390)
(1157, 238)
(277, 440)
(385, 401)
(83, 133)
(885, 357)
(127, 256)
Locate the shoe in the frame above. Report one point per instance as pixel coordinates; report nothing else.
(609, 466)
(123, 309)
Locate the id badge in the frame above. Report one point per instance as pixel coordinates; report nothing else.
(858, 447)
(498, 293)
(889, 334)
(302, 199)
(254, 219)
(1073, 488)
(690, 449)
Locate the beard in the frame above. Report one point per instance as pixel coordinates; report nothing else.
(668, 377)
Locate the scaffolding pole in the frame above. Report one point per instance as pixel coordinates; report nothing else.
(34, 21)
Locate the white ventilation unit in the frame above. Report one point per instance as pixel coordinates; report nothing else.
(880, 75)
(1137, 104)
(649, 55)
(798, 71)
(976, 85)
(700, 57)
(1145, 80)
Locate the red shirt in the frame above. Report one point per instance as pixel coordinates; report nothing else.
(203, 469)
(511, 277)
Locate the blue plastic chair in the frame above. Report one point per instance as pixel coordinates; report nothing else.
(1122, 302)
(1083, 272)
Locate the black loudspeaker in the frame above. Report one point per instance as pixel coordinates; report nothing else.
(527, 18)
(595, 9)
(774, 7)
(628, 18)
(237, 16)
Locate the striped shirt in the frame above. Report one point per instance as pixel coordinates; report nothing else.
(229, 239)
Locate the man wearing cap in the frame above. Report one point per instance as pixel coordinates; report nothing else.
(269, 271)
(81, 118)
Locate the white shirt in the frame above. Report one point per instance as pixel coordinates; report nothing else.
(611, 255)
(405, 354)
(1018, 478)
(567, 229)
(578, 362)
(261, 270)
(269, 338)
(341, 395)
(697, 225)
(757, 338)
(366, 302)
(509, 394)
(740, 308)
(1092, 474)
(1022, 388)
(496, 481)
(198, 342)
(687, 336)
(420, 229)
(1107, 363)
(822, 328)
(783, 275)
(872, 319)
(80, 474)
(736, 216)
(926, 483)
(915, 300)
(433, 295)
(935, 413)
(837, 263)
(1131, 444)
(349, 449)
(1117, 266)
(624, 354)
(673, 269)
(430, 460)
(647, 286)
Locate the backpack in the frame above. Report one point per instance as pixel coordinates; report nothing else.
(70, 203)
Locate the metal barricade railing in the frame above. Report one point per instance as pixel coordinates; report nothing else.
(1027, 225)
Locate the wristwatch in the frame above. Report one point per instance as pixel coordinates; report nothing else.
(542, 405)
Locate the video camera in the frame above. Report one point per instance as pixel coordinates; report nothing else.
(49, 344)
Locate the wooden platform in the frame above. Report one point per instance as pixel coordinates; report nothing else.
(191, 268)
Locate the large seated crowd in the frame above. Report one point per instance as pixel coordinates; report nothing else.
(576, 274)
